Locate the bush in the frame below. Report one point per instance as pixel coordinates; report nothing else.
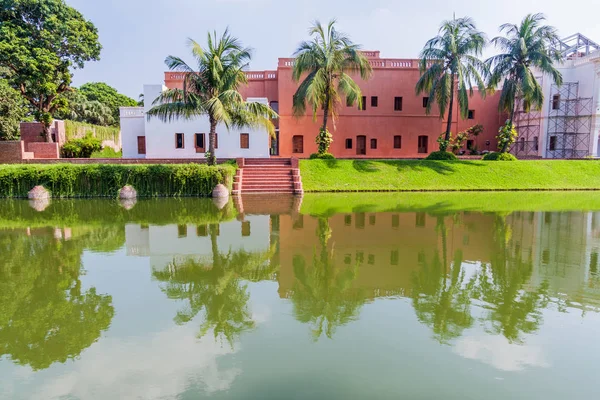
(324, 156)
(497, 156)
(105, 180)
(107, 152)
(441, 155)
(81, 148)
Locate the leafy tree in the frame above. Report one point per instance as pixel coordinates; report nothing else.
(79, 108)
(526, 46)
(448, 60)
(40, 41)
(107, 96)
(325, 62)
(13, 110)
(213, 90)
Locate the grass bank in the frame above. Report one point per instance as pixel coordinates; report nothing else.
(422, 175)
(105, 180)
(328, 204)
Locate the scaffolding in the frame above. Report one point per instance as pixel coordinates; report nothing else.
(528, 126)
(569, 122)
(576, 46)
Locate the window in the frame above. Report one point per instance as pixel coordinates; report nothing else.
(348, 220)
(200, 139)
(556, 102)
(395, 221)
(374, 101)
(359, 223)
(201, 230)
(371, 219)
(536, 144)
(395, 257)
(422, 144)
(275, 106)
(181, 231)
(363, 105)
(373, 143)
(471, 114)
(141, 143)
(361, 145)
(397, 103)
(298, 144)
(360, 257)
(552, 143)
(179, 142)
(425, 102)
(246, 228)
(244, 141)
(522, 144)
(397, 142)
(470, 144)
(348, 143)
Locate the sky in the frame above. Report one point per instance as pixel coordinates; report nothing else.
(137, 35)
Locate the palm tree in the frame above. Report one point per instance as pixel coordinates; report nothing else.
(449, 59)
(525, 46)
(325, 62)
(213, 90)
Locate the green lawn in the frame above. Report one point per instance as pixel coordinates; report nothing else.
(421, 175)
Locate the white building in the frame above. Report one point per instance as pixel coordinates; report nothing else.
(568, 126)
(180, 138)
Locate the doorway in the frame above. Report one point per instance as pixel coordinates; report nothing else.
(422, 145)
(361, 145)
(274, 150)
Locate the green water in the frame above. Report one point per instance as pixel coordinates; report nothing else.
(394, 296)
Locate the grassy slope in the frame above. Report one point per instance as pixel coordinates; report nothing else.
(421, 175)
(326, 204)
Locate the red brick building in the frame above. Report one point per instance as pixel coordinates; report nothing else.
(391, 124)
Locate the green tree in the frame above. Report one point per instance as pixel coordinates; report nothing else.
(79, 108)
(40, 42)
(325, 62)
(448, 60)
(107, 96)
(13, 110)
(526, 46)
(213, 90)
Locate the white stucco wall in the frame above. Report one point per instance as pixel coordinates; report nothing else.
(160, 136)
(132, 126)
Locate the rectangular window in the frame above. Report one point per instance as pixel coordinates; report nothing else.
(536, 144)
(181, 231)
(374, 101)
(397, 142)
(470, 144)
(347, 220)
(556, 102)
(471, 114)
(420, 220)
(298, 144)
(359, 222)
(348, 143)
(397, 103)
(552, 143)
(179, 141)
(372, 219)
(363, 105)
(201, 230)
(373, 143)
(395, 221)
(422, 145)
(200, 142)
(395, 257)
(425, 102)
(216, 140)
(244, 141)
(141, 144)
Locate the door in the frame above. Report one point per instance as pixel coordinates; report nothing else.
(422, 144)
(141, 144)
(361, 145)
(275, 144)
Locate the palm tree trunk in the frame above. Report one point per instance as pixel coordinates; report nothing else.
(212, 135)
(449, 123)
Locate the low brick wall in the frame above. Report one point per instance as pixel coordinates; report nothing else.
(44, 150)
(11, 151)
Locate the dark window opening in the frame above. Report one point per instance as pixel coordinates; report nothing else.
(536, 144)
(141, 144)
(471, 114)
(470, 144)
(179, 143)
(200, 140)
(422, 144)
(348, 220)
(425, 102)
(397, 103)
(522, 144)
(373, 143)
(275, 106)
(556, 102)
(374, 101)
(363, 105)
(246, 228)
(371, 220)
(552, 143)
(397, 142)
(201, 230)
(348, 143)
(420, 220)
(359, 223)
(298, 144)
(181, 231)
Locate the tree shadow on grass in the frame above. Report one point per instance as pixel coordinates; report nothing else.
(364, 166)
(441, 167)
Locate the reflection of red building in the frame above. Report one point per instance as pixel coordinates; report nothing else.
(392, 124)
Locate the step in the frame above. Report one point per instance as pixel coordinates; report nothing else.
(272, 180)
(268, 168)
(266, 173)
(259, 185)
(247, 191)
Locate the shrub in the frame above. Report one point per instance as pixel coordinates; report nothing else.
(441, 155)
(323, 141)
(497, 156)
(324, 156)
(81, 148)
(107, 152)
(105, 180)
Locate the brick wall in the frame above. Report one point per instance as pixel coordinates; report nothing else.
(31, 132)
(43, 150)
(11, 151)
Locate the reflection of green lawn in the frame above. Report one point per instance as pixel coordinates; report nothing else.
(331, 203)
(418, 175)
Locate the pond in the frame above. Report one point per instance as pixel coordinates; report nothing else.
(332, 296)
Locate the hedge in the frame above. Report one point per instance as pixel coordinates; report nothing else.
(105, 180)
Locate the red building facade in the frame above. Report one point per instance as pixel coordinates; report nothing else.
(391, 124)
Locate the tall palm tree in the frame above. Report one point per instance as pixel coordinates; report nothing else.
(448, 60)
(325, 63)
(213, 90)
(526, 46)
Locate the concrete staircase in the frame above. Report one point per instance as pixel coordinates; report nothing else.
(267, 175)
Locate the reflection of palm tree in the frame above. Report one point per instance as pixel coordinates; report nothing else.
(442, 303)
(218, 288)
(322, 295)
(511, 310)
